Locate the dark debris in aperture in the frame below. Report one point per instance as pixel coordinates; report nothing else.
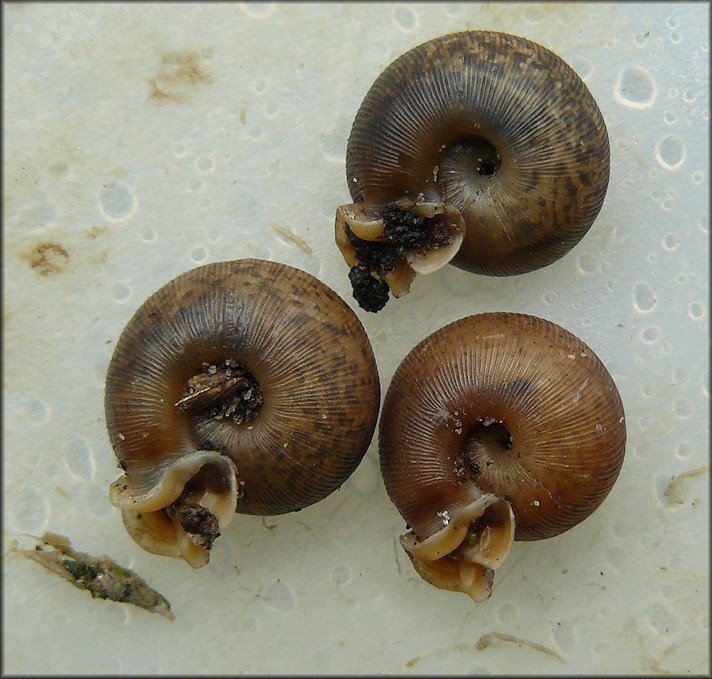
(226, 391)
(405, 232)
(371, 293)
(201, 523)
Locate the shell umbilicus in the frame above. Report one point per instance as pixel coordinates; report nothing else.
(497, 427)
(245, 386)
(479, 148)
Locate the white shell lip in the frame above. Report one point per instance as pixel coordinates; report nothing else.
(446, 558)
(364, 220)
(143, 511)
(491, 548)
(437, 256)
(172, 482)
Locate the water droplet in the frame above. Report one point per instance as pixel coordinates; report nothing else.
(195, 185)
(683, 408)
(457, 281)
(680, 375)
(366, 479)
(640, 39)
(205, 164)
(117, 201)
(121, 293)
(697, 178)
(507, 613)
(179, 149)
(661, 618)
(672, 22)
(705, 46)
(582, 66)
(635, 88)
(697, 311)
(681, 278)
(689, 96)
(60, 169)
(644, 299)
(670, 118)
(405, 19)
(257, 10)
(453, 10)
(263, 252)
(673, 93)
(272, 108)
(37, 215)
(684, 450)
(650, 335)
(29, 511)
(533, 14)
(641, 451)
(550, 297)
(675, 38)
(648, 390)
(586, 263)
(670, 152)
(250, 625)
(79, 457)
(340, 575)
(148, 234)
(671, 242)
(279, 596)
(36, 410)
(198, 254)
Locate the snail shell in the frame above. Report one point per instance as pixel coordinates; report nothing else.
(245, 386)
(489, 126)
(499, 426)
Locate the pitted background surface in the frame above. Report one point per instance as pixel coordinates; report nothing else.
(144, 139)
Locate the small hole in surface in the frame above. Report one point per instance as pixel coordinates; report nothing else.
(488, 440)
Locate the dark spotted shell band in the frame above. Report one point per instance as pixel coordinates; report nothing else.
(245, 386)
(491, 145)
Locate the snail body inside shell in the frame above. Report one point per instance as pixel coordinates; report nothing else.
(497, 427)
(479, 148)
(245, 386)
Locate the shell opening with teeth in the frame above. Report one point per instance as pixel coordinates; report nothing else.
(463, 555)
(243, 386)
(193, 499)
(387, 245)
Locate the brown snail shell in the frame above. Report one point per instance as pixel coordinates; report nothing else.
(489, 126)
(245, 386)
(499, 426)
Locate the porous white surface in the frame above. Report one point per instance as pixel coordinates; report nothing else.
(144, 139)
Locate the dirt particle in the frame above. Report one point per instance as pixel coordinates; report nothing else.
(47, 259)
(95, 231)
(178, 74)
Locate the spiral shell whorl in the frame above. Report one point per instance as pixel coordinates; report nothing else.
(442, 103)
(489, 376)
(303, 344)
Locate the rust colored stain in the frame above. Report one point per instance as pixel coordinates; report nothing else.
(47, 259)
(95, 231)
(178, 73)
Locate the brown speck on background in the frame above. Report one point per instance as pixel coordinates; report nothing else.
(178, 73)
(47, 258)
(95, 231)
